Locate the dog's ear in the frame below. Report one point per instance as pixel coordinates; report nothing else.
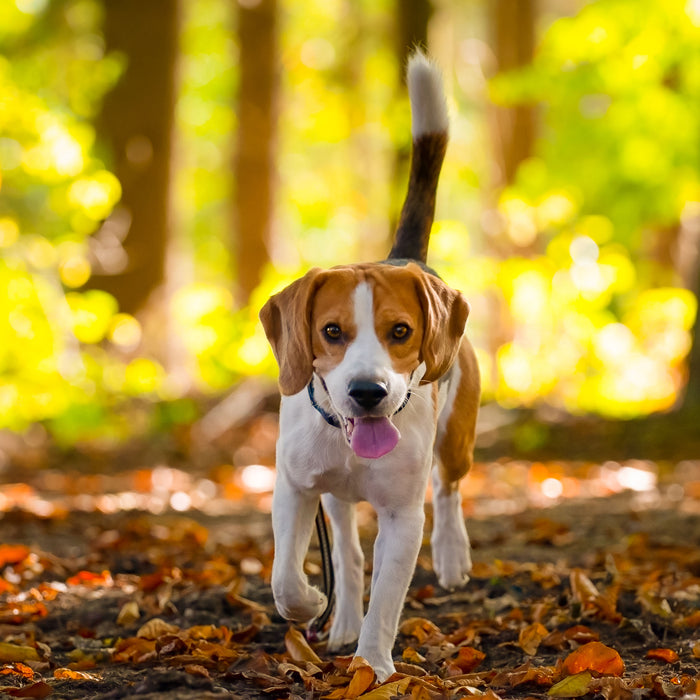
(445, 312)
(286, 318)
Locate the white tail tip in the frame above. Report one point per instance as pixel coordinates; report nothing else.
(427, 94)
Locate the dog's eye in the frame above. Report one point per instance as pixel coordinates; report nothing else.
(400, 331)
(332, 331)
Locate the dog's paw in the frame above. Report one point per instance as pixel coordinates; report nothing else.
(300, 605)
(345, 629)
(452, 562)
(382, 664)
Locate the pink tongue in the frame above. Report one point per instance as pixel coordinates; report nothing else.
(373, 437)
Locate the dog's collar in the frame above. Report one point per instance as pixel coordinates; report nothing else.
(329, 417)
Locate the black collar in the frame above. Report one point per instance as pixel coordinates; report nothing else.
(329, 417)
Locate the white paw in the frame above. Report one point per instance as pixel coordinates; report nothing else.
(382, 664)
(345, 629)
(452, 561)
(300, 605)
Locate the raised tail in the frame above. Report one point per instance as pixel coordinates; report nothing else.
(429, 127)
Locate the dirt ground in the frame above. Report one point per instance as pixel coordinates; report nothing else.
(79, 588)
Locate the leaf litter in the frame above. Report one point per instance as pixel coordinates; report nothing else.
(596, 597)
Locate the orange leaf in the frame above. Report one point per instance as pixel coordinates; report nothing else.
(530, 637)
(12, 554)
(70, 674)
(17, 669)
(421, 629)
(362, 678)
(298, 648)
(90, 578)
(667, 655)
(595, 657)
(468, 659)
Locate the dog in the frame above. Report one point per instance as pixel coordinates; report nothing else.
(380, 388)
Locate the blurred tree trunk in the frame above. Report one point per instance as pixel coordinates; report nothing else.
(136, 121)
(513, 29)
(256, 142)
(691, 399)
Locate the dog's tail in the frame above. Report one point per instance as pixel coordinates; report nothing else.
(429, 131)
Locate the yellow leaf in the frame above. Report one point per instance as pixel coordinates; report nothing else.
(531, 637)
(11, 653)
(388, 690)
(298, 648)
(128, 614)
(572, 686)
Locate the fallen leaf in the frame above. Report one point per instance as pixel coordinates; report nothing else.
(585, 592)
(468, 659)
(531, 637)
(197, 670)
(12, 554)
(90, 578)
(667, 655)
(17, 669)
(595, 657)
(411, 656)
(128, 614)
(362, 679)
(35, 690)
(572, 686)
(70, 674)
(298, 648)
(422, 629)
(11, 653)
(388, 690)
(155, 628)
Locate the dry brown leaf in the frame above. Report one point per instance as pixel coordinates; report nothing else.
(595, 657)
(667, 655)
(40, 689)
(585, 591)
(422, 629)
(197, 670)
(531, 637)
(156, 628)
(298, 648)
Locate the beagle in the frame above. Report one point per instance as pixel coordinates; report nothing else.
(380, 388)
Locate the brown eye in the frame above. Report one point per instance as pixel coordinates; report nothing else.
(400, 331)
(332, 331)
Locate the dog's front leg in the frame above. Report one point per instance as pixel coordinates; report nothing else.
(395, 554)
(293, 513)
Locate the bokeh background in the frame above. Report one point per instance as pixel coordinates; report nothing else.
(166, 165)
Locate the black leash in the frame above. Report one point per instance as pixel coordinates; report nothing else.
(317, 624)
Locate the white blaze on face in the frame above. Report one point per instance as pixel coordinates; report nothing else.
(367, 359)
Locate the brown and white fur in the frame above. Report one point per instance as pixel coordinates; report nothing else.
(382, 346)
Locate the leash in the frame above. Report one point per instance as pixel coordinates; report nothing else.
(314, 630)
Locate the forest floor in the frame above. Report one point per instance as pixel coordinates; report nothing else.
(143, 578)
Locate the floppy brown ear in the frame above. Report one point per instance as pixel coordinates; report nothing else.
(445, 312)
(286, 320)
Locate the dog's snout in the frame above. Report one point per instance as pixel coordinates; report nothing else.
(367, 394)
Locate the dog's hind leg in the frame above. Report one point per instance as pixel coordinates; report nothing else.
(348, 563)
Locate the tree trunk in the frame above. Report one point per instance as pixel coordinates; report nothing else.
(136, 121)
(256, 142)
(513, 27)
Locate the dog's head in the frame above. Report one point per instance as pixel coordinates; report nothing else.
(371, 332)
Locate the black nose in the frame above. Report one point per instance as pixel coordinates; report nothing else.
(367, 394)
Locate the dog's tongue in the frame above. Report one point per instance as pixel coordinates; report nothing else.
(373, 437)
